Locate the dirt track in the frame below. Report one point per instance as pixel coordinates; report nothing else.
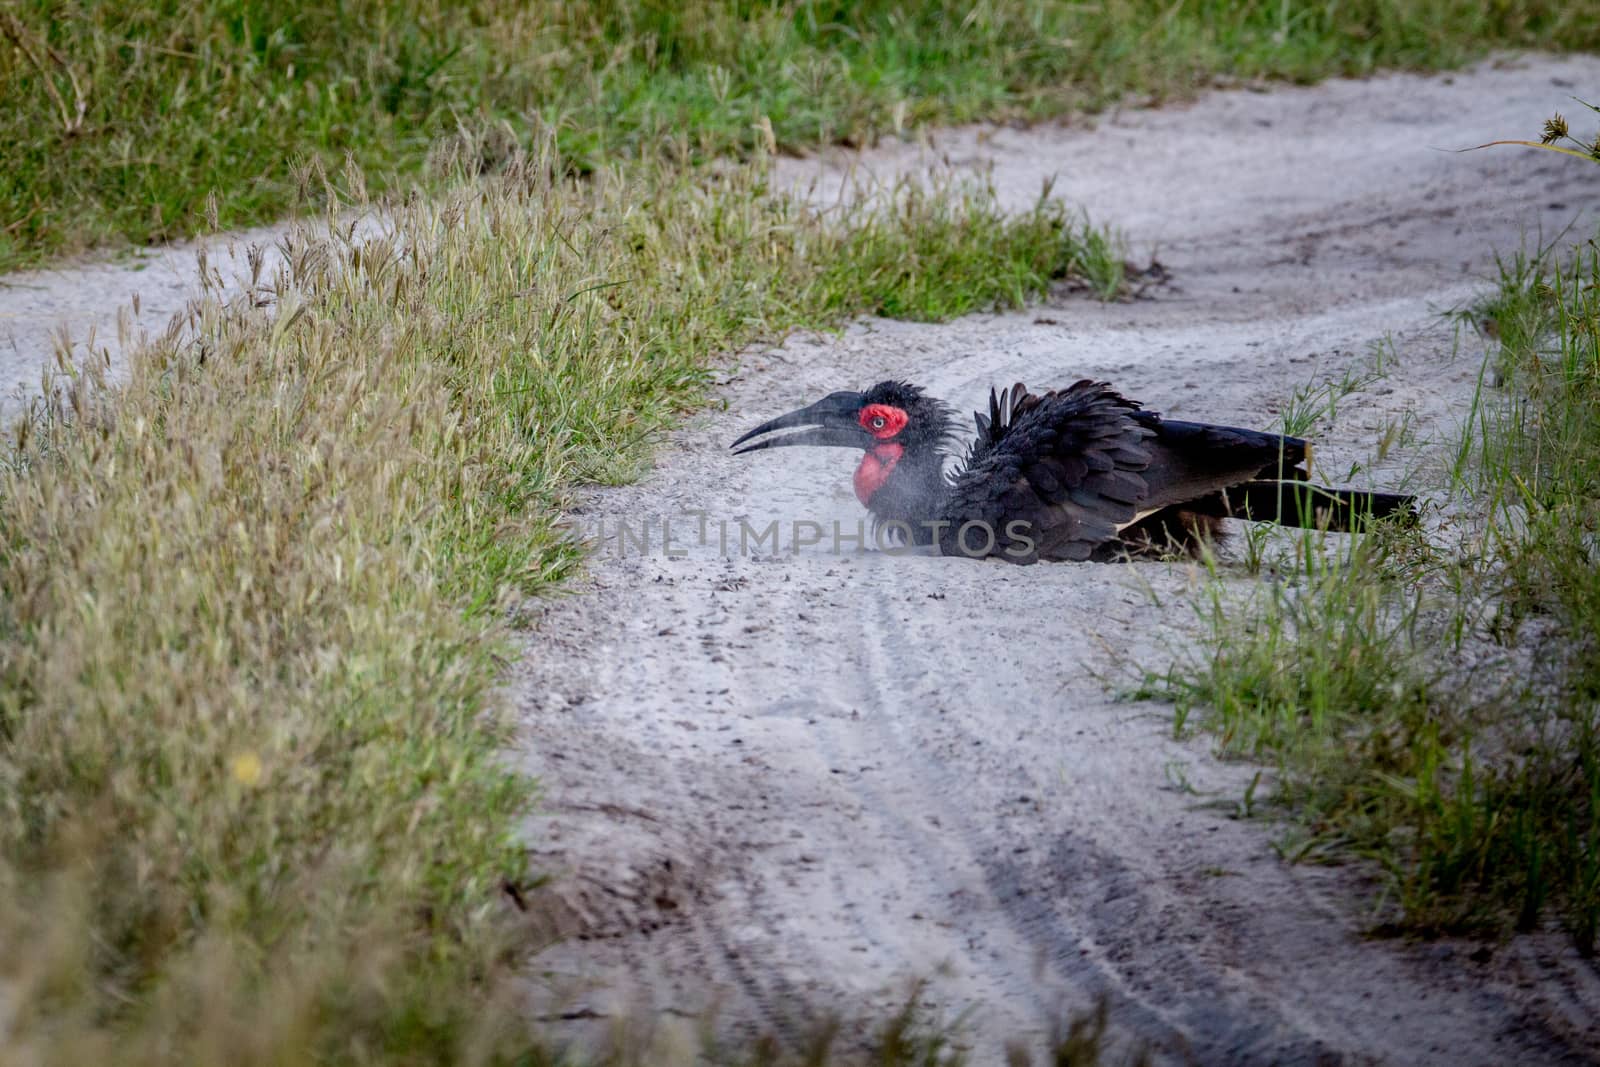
(787, 783)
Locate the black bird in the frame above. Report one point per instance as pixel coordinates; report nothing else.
(1072, 474)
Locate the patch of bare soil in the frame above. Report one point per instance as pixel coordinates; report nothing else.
(99, 311)
(786, 782)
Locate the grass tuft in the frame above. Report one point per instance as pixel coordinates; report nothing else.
(930, 256)
(1440, 713)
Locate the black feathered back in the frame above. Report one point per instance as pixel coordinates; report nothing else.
(1083, 472)
(1065, 465)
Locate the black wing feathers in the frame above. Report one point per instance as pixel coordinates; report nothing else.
(1078, 466)
(1192, 459)
(1065, 464)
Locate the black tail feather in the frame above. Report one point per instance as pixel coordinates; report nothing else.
(1302, 504)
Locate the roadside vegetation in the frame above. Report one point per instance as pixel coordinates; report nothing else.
(122, 119)
(253, 603)
(1433, 703)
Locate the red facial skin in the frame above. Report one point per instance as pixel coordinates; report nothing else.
(882, 422)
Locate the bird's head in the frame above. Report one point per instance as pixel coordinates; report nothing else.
(895, 424)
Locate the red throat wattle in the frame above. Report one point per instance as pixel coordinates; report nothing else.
(876, 466)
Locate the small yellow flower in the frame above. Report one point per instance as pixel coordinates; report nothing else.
(247, 769)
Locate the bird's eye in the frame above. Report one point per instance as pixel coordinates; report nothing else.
(878, 422)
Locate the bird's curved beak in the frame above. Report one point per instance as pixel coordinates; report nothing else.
(832, 420)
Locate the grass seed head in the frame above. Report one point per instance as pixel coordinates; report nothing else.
(249, 625)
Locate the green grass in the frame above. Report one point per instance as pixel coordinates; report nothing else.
(252, 603)
(122, 119)
(1318, 402)
(1438, 709)
(1539, 458)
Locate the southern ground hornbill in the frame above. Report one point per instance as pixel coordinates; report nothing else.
(1072, 474)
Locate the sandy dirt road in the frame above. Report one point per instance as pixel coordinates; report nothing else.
(783, 783)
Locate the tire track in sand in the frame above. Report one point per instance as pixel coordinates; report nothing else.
(833, 750)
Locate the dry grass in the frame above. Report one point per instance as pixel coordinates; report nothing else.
(251, 603)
